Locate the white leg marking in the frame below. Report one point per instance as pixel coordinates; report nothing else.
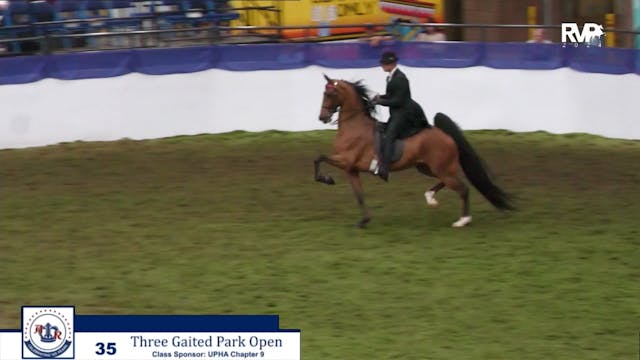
(431, 198)
(463, 221)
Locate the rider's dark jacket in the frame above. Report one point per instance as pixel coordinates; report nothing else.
(402, 107)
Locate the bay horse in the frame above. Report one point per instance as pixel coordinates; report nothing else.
(441, 151)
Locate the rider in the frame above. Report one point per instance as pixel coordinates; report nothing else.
(404, 113)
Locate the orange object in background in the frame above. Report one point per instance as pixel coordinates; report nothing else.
(610, 23)
(532, 19)
(333, 12)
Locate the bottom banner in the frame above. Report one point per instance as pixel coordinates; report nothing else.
(58, 333)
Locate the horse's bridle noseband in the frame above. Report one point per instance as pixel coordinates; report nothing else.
(337, 108)
(331, 112)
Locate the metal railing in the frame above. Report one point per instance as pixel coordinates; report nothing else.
(49, 42)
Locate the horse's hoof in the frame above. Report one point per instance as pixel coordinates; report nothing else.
(431, 200)
(462, 222)
(325, 180)
(363, 223)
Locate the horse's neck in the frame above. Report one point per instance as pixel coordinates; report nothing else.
(354, 120)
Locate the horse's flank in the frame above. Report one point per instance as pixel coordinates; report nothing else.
(433, 146)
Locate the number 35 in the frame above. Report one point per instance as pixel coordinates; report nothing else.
(110, 349)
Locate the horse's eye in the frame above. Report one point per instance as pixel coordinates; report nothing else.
(335, 83)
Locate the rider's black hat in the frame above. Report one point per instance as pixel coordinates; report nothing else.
(388, 57)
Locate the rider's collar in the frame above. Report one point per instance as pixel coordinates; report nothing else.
(393, 71)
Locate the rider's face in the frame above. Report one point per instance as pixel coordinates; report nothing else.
(387, 67)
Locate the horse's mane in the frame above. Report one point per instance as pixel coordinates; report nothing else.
(363, 93)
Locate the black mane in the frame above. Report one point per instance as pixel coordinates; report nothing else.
(363, 94)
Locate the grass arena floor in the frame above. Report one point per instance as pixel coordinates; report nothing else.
(234, 224)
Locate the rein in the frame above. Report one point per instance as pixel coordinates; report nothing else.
(339, 110)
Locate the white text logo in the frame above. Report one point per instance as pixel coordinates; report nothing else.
(590, 35)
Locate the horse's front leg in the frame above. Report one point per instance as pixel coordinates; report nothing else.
(335, 160)
(354, 178)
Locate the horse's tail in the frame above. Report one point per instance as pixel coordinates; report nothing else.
(473, 166)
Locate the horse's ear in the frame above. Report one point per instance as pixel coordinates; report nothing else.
(326, 77)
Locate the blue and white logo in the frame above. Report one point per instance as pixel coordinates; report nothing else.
(591, 34)
(47, 332)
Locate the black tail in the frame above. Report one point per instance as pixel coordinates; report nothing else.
(473, 166)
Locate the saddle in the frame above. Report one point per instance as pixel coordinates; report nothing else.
(398, 144)
(417, 122)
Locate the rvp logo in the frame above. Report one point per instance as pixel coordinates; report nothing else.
(591, 34)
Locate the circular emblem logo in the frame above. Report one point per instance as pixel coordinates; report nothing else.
(47, 333)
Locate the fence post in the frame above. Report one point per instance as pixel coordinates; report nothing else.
(532, 18)
(610, 23)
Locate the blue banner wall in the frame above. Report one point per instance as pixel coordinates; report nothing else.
(18, 70)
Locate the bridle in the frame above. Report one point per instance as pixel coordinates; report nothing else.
(332, 86)
(337, 109)
(331, 112)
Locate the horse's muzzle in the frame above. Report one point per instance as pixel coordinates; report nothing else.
(325, 119)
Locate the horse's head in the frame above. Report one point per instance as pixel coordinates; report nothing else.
(350, 98)
(332, 98)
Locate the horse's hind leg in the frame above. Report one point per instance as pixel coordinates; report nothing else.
(430, 194)
(456, 184)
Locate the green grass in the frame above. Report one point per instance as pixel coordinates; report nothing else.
(234, 224)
